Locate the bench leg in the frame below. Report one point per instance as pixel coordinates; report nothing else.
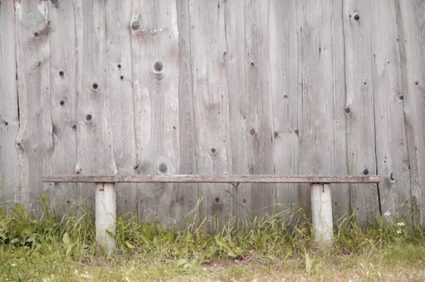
(321, 208)
(105, 214)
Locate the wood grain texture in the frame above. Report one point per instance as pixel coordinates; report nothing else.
(360, 105)
(34, 140)
(411, 21)
(392, 158)
(120, 80)
(259, 115)
(284, 64)
(210, 179)
(62, 104)
(208, 46)
(9, 111)
(95, 153)
(156, 83)
(214, 88)
(186, 197)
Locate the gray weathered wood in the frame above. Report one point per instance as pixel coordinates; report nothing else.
(411, 17)
(122, 117)
(391, 150)
(34, 139)
(186, 197)
(94, 137)
(9, 111)
(208, 46)
(284, 48)
(259, 114)
(209, 179)
(63, 98)
(156, 77)
(360, 103)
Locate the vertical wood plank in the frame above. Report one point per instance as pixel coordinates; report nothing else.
(94, 137)
(259, 115)
(34, 138)
(186, 196)
(359, 108)
(284, 47)
(320, 120)
(9, 111)
(391, 146)
(234, 59)
(120, 77)
(208, 46)
(411, 18)
(63, 99)
(156, 77)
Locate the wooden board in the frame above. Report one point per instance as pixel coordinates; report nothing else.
(34, 139)
(120, 80)
(360, 105)
(211, 112)
(155, 53)
(9, 111)
(95, 153)
(391, 151)
(210, 179)
(63, 99)
(411, 18)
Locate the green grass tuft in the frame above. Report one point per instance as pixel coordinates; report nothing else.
(264, 248)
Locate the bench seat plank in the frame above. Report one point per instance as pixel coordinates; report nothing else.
(78, 178)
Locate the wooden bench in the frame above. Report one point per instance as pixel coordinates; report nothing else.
(321, 204)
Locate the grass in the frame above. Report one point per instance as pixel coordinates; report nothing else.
(262, 249)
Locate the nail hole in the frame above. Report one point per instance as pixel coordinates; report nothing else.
(276, 134)
(158, 66)
(244, 200)
(95, 86)
(135, 25)
(121, 77)
(252, 64)
(391, 176)
(119, 66)
(356, 17)
(365, 171)
(89, 117)
(213, 150)
(217, 200)
(36, 34)
(62, 102)
(347, 110)
(74, 126)
(61, 73)
(365, 83)
(417, 82)
(401, 97)
(252, 131)
(296, 131)
(6, 123)
(162, 167)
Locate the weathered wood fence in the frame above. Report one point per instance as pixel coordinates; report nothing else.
(291, 87)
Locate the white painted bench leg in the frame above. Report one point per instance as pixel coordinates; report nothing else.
(321, 208)
(105, 214)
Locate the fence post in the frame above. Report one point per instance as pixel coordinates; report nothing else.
(321, 208)
(105, 215)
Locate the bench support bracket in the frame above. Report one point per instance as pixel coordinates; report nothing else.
(321, 209)
(106, 210)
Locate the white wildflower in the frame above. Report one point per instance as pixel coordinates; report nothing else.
(398, 231)
(387, 214)
(400, 224)
(13, 265)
